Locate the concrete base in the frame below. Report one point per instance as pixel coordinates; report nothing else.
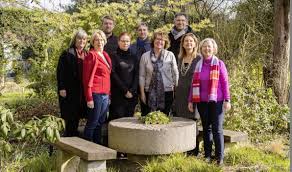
(131, 136)
(66, 162)
(92, 166)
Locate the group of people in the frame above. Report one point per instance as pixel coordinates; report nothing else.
(173, 73)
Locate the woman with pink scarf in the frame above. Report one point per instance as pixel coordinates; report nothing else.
(210, 93)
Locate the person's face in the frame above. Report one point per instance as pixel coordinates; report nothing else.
(98, 42)
(207, 49)
(189, 43)
(124, 42)
(108, 26)
(142, 32)
(159, 42)
(180, 22)
(80, 42)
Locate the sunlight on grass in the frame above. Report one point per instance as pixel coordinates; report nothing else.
(179, 163)
(250, 156)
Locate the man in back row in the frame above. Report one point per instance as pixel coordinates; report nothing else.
(179, 29)
(108, 25)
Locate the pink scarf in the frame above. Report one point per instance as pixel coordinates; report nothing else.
(214, 78)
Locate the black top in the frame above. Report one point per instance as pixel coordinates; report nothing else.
(69, 79)
(175, 44)
(125, 73)
(111, 45)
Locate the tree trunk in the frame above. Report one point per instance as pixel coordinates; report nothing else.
(280, 65)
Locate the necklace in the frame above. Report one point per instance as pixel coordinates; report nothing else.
(184, 68)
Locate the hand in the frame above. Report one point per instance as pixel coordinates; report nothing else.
(191, 107)
(143, 98)
(90, 104)
(226, 106)
(129, 95)
(62, 93)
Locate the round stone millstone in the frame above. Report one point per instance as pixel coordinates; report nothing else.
(130, 135)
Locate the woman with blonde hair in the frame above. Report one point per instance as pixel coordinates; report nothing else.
(187, 60)
(69, 79)
(96, 80)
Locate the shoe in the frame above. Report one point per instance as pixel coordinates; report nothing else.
(220, 162)
(208, 160)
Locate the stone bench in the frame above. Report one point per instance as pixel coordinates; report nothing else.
(91, 157)
(229, 136)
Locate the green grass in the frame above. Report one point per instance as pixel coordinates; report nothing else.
(39, 163)
(179, 163)
(249, 156)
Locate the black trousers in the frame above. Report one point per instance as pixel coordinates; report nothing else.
(168, 98)
(123, 108)
(212, 117)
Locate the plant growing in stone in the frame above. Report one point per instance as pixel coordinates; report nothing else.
(155, 117)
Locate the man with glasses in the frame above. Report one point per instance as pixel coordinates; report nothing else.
(180, 28)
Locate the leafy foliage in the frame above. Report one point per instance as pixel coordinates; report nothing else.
(155, 117)
(32, 132)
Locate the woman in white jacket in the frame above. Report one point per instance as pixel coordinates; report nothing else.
(158, 76)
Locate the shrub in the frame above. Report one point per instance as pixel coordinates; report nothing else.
(24, 107)
(155, 117)
(255, 110)
(16, 136)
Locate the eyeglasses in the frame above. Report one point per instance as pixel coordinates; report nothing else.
(125, 41)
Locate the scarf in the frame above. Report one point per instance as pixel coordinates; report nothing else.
(177, 34)
(156, 88)
(141, 43)
(214, 78)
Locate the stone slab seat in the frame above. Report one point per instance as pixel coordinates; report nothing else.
(230, 136)
(92, 156)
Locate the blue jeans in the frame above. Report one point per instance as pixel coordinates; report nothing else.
(212, 117)
(96, 117)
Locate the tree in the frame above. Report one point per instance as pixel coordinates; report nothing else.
(279, 80)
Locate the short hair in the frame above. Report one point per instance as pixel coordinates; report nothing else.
(164, 36)
(123, 34)
(99, 33)
(215, 46)
(141, 24)
(108, 17)
(182, 51)
(181, 14)
(78, 34)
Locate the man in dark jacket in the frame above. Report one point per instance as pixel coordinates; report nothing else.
(143, 43)
(108, 25)
(179, 29)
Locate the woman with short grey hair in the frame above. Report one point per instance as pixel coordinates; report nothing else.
(69, 79)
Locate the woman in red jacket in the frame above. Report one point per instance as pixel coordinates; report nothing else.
(96, 80)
